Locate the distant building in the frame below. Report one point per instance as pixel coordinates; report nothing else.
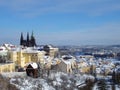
(51, 50)
(67, 64)
(7, 67)
(3, 51)
(5, 48)
(86, 56)
(29, 42)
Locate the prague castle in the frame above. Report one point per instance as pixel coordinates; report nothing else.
(28, 52)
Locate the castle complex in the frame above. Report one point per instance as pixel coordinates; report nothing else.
(28, 52)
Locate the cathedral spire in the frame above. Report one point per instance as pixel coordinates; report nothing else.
(28, 41)
(33, 42)
(32, 35)
(21, 39)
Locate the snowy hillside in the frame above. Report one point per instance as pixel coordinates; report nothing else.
(55, 81)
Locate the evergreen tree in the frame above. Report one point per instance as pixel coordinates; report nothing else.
(114, 77)
(21, 39)
(91, 70)
(117, 77)
(102, 85)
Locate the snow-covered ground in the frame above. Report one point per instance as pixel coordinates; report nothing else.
(63, 81)
(107, 87)
(13, 74)
(55, 81)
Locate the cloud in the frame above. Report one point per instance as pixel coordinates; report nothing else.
(38, 7)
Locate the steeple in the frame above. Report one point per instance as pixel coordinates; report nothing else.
(33, 42)
(32, 35)
(21, 39)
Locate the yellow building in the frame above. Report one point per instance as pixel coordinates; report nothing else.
(84, 67)
(22, 57)
(52, 50)
(7, 67)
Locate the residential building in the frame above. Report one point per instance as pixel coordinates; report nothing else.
(67, 63)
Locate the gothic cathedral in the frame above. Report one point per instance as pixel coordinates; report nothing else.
(29, 42)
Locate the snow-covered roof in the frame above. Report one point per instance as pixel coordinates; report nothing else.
(47, 59)
(67, 56)
(34, 65)
(85, 56)
(84, 64)
(107, 66)
(2, 48)
(70, 59)
(27, 50)
(9, 46)
(114, 62)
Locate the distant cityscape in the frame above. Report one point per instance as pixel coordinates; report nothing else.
(89, 67)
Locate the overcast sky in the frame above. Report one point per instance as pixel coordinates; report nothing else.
(61, 22)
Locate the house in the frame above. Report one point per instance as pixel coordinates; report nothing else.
(32, 70)
(50, 50)
(86, 63)
(67, 63)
